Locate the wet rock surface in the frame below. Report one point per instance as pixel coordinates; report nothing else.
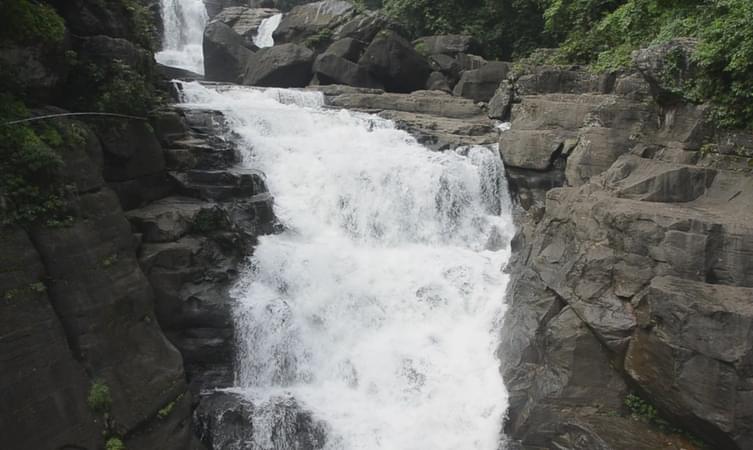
(629, 274)
(286, 65)
(229, 421)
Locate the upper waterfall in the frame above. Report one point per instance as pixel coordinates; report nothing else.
(268, 26)
(378, 308)
(183, 22)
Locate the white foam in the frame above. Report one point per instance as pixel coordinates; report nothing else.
(268, 26)
(183, 22)
(379, 308)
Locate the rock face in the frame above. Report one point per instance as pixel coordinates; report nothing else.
(287, 65)
(436, 119)
(629, 274)
(95, 309)
(447, 44)
(229, 421)
(245, 21)
(667, 67)
(310, 19)
(393, 61)
(225, 53)
(332, 69)
(194, 240)
(481, 84)
(41, 382)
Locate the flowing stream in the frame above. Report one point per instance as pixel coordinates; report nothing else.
(183, 22)
(268, 26)
(378, 308)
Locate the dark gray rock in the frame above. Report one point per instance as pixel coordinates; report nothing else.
(422, 102)
(393, 61)
(501, 104)
(332, 69)
(667, 67)
(447, 44)
(228, 421)
(287, 65)
(692, 355)
(438, 82)
(102, 50)
(172, 218)
(347, 48)
(40, 67)
(365, 26)
(131, 150)
(468, 61)
(40, 380)
(311, 19)
(555, 79)
(245, 21)
(105, 304)
(448, 66)
(480, 84)
(225, 53)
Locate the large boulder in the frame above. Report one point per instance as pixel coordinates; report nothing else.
(225, 53)
(501, 104)
(447, 44)
(347, 48)
(535, 80)
(364, 27)
(332, 69)
(667, 67)
(692, 353)
(481, 84)
(245, 21)
(287, 65)
(305, 21)
(394, 62)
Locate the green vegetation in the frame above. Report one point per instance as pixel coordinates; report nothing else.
(504, 28)
(602, 34)
(110, 260)
(167, 409)
(319, 40)
(30, 22)
(141, 22)
(114, 87)
(99, 399)
(33, 288)
(114, 444)
(30, 189)
(645, 412)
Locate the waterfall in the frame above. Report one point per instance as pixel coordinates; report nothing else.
(268, 26)
(183, 22)
(378, 308)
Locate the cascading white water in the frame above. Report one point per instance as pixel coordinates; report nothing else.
(378, 309)
(183, 22)
(268, 26)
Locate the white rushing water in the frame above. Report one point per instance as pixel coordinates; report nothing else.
(378, 309)
(183, 22)
(268, 26)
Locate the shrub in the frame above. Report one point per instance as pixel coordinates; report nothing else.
(30, 22)
(114, 444)
(99, 399)
(30, 191)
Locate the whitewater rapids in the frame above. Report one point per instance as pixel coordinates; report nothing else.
(378, 309)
